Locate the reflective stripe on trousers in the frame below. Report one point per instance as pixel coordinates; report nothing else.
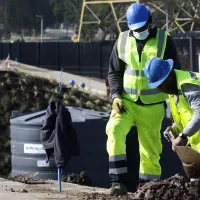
(148, 176)
(118, 168)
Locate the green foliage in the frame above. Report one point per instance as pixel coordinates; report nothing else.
(67, 10)
(20, 15)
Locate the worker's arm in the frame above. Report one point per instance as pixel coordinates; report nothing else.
(171, 53)
(192, 95)
(115, 73)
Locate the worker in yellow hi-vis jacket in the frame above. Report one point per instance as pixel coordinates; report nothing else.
(133, 100)
(183, 88)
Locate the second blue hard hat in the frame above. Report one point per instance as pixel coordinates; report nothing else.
(157, 70)
(137, 16)
(82, 84)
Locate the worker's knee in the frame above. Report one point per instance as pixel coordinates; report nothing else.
(116, 143)
(113, 129)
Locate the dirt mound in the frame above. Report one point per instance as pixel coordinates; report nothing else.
(81, 179)
(175, 187)
(24, 178)
(97, 196)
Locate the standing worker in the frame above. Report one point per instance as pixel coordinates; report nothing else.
(185, 109)
(133, 100)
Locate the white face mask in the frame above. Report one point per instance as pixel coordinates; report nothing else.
(141, 35)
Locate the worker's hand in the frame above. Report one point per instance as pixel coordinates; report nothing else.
(118, 105)
(169, 133)
(177, 142)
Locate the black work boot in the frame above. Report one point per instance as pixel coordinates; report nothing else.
(118, 189)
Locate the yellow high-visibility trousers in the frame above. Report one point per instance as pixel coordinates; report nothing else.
(148, 119)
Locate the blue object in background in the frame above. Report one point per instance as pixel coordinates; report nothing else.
(82, 84)
(15, 63)
(59, 180)
(71, 82)
(60, 83)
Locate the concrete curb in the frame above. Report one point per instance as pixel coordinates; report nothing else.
(95, 86)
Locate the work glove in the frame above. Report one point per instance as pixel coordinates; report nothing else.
(171, 132)
(118, 105)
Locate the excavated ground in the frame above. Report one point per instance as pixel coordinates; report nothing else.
(21, 188)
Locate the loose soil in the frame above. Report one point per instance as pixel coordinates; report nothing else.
(175, 188)
(81, 179)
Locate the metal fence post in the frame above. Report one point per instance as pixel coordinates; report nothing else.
(78, 57)
(193, 54)
(38, 53)
(19, 52)
(10, 50)
(1, 51)
(57, 55)
(100, 61)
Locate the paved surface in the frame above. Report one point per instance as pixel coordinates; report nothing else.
(94, 85)
(11, 190)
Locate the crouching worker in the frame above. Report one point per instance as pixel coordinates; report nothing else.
(183, 88)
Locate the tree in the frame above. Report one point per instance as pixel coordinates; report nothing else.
(67, 10)
(19, 16)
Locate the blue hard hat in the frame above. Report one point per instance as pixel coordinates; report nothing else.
(137, 16)
(157, 70)
(72, 82)
(82, 84)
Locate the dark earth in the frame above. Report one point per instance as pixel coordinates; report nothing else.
(174, 188)
(81, 179)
